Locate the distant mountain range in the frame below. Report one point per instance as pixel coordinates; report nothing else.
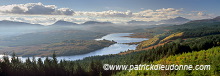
(66, 23)
(173, 21)
(95, 23)
(216, 19)
(134, 22)
(58, 23)
(14, 23)
(177, 20)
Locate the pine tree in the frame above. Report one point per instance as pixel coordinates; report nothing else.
(54, 58)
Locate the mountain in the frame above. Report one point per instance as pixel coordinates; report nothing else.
(14, 23)
(137, 22)
(95, 23)
(63, 23)
(134, 22)
(216, 19)
(177, 20)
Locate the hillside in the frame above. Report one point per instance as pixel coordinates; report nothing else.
(176, 45)
(65, 48)
(167, 34)
(48, 37)
(203, 57)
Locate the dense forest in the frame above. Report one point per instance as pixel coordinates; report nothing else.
(205, 57)
(194, 43)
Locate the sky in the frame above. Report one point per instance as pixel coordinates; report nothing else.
(47, 12)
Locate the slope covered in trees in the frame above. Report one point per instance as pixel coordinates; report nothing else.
(204, 57)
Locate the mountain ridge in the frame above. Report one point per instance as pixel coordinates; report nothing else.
(216, 19)
(95, 22)
(16, 23)
(62, 22)
(177, 20)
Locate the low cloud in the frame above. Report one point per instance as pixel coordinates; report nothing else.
(196, 15)
(156, 15)
(109, 13)
(35, 9)
(149, 14)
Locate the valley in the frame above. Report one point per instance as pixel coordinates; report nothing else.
(109, 38)
(164, 43)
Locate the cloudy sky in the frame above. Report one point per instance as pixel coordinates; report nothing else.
(47, 12)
